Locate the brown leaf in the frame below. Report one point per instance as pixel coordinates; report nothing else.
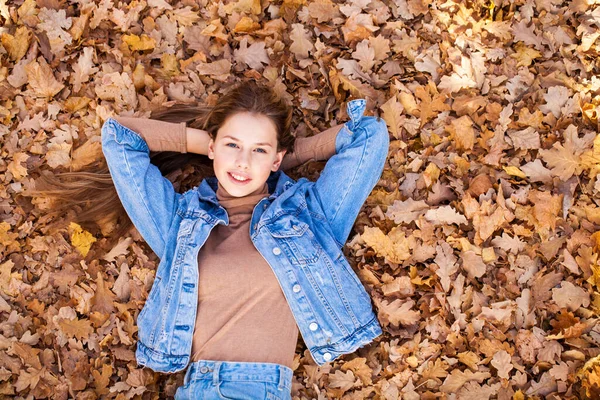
(42, 80)
(103, 298)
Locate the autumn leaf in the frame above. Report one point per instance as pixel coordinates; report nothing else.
(254, 56)
(42, 80)
(102, 301)
(78, 328)
(398, 312)
(18, 44)
(457, 379)
(82, 240)
(139, 43)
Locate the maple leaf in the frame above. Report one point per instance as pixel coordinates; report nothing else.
(254, 56)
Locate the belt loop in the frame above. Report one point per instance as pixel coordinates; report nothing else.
(281, 385)
(217, 367)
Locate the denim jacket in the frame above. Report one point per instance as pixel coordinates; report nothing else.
(299, 229)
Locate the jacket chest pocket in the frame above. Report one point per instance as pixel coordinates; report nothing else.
(296, 240)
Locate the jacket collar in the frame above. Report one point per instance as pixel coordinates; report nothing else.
(278, 182)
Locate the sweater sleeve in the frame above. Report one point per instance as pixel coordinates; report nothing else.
(159, 135)
(319, 147)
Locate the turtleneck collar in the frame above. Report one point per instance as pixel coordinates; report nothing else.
(228, 201)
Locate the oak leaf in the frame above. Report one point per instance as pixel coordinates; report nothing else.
(103, 298)
(457, 379)
(570, 296)
(254, 56)
(42, 80)
(502, 362)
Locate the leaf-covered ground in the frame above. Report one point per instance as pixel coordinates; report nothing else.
(479, 246)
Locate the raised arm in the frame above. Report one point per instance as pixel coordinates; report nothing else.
(361, 148)
(319, 147)
(167, 136)
(148, 197)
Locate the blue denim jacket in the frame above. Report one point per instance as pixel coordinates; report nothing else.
(299, 229)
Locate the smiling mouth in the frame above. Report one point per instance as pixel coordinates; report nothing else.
(238, 178)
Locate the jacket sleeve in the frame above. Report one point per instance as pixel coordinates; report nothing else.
(149, 198)
(350, 175)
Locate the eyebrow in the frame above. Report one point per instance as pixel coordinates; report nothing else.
(258, 144)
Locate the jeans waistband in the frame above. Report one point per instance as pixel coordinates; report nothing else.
(278, 374)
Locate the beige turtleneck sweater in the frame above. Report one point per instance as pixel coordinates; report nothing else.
(242, 313)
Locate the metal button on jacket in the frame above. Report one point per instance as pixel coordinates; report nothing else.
(296, 288)
(313, 326)
(276, 251)
(204, 370)
(327, 356)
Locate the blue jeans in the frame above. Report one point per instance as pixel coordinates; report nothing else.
(217, 380)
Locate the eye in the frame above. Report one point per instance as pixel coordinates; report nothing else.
(233, 145)
(261, 150)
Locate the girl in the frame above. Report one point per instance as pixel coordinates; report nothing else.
(250, 257)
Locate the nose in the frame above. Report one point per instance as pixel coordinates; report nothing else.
(242, 159)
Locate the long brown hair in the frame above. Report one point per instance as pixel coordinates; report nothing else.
(89, 196)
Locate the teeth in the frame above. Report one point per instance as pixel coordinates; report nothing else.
(239, 178)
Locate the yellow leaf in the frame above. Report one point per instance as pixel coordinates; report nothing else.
(245, 25)
(74, 103)
(139, 43)
(18, 44)
(244, 6)
(514, 171)
(591, 158)
(82, 240)
(525, 55)
(169, 64)
(431, 174)
(86, 154)
(518, 395)
(19, 171)
(394, 246)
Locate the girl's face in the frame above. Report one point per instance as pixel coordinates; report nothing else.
(244, 153)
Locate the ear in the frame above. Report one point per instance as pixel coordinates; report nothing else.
(211, 149)
(278, 159)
